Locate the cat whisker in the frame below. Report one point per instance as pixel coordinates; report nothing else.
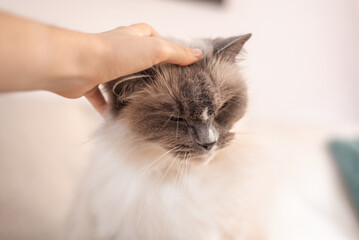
(243, 168)
(171, 199)
(175, 181)
(149, 166)
(185, 181)
(177, 212)
(177, 126)
(153, 191)
(182, 183)
(190, 135)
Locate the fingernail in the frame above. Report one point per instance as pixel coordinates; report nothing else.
(197, 52)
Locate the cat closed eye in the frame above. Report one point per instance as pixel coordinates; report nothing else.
(223, 106)
(177, 119)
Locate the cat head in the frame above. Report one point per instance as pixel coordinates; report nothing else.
(189, 110)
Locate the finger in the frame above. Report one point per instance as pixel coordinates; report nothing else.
(143, 30)
(178, 54)
(95, 97)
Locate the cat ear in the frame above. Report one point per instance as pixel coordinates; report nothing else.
(229, 48)
(120, 90)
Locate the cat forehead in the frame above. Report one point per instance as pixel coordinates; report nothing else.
(197, 101)
(194, 89)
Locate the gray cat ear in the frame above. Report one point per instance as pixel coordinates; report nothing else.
(120, 90)
(229, 48)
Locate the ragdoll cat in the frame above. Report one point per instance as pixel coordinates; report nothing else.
(165, 167)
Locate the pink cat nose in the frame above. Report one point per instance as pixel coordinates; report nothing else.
(207, 146)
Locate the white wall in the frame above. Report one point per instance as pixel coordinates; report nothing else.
(302, 62)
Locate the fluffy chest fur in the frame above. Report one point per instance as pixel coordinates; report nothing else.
(163, 199)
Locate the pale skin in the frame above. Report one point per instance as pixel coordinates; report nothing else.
(36, 56)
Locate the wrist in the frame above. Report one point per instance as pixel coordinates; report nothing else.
(74, 63)
(94, 58)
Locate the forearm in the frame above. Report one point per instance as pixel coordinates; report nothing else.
(36, 56)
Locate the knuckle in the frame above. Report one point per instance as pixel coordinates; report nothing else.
(121, 27)
(144, 25)
(142, 29)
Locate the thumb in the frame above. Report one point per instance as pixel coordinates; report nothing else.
(180, 55)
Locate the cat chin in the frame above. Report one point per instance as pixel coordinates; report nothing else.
(206, 158)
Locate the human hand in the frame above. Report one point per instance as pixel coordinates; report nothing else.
(36, 56)
(128, 50)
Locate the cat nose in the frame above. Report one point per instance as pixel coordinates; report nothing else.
(207, 146)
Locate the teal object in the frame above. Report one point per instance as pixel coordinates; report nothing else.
(346, 155)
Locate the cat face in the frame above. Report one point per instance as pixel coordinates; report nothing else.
(189, 110)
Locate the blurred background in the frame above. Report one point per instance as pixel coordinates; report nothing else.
(302, 68)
